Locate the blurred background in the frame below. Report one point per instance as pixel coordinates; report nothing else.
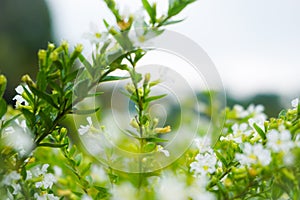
(254, 44)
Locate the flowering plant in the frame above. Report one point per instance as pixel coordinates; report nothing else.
(252, 158)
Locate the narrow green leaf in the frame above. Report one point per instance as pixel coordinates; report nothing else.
(260, 131)
(152, 98)
(78, 159)
(150, 10)
(223, 160)
(86, 112)
(44, 96)
(176, 6)
(87, 65)
(113, 78)
(6, 123)
(52, 145)
(3, 107)
(156, 139)
(81, 88)
(170, 22)
(41, 80)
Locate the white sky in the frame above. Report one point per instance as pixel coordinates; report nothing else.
(255, 44)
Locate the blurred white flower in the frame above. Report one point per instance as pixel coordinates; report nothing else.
(85, 129)
(98, 173)
(295, 103)
(16, 187)
(203, 144)
(86, 197)
(125, 191)
(37, 171)
(19, 139)
(204, 163)
(239, 131)
(197, 191)
(280, 141)
(45, 197)
(11, 177)
(171, 187)
(159, 148)
(19, 99)
(240, 111)
(47, 182)
(254, 154)
(95, 36)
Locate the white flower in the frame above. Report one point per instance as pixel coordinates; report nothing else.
(45, 197)
(12, 176)
(204, 163)
(239, 131)
(280, 141)
(85, 129)
(16, 187)
(171, 188)
(95, 36)
(28, 175)
(125, 191)
(47, 181)
(19, 99)
(86, 197)
(40, 171)
(159, 148)
(203, 144)
(240, 111)
(197, 191)
(295, 103)
(254, 154)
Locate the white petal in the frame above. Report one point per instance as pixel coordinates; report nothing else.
(295, 102)
(19, 89)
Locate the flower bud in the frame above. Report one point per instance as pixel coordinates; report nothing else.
(54, 56)
(3, 83)
(130, 88)
(166, 129)
(147, 78)
(42, 54)
(26, 79)
(65, 45)
(51, 46)
(134, 124)
(79, 48)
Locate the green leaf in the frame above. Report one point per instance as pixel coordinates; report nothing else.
(176, 6)
(260, 131)
(111, 4)
(151, 10)
(86, 112)
(44, 96)
(282, 114)
(149, 147)
(3, 83)
(41, 80)
(87, 65)
(78, 159)
(86, 169)
(52, 145)
(156, 139)
(220, 156)
(6, 123)
(71, 76)
(152, 98)
(81, 88)
(170, 22)
(3, 107)
(113, 78)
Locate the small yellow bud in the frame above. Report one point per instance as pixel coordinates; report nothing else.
(147, 78)
(51, 46)
(166, 129)
(134, 123)
(65, 45)
(155, 122)
(130, 88)
(79, 48)
(26, 79)
(54, 56)
(42, 54)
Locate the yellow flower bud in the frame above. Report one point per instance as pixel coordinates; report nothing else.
(26, 79)
(79, 48)
(54, 56)
(134, 123)
(166, 129)
(42, 54)
(51, 46)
